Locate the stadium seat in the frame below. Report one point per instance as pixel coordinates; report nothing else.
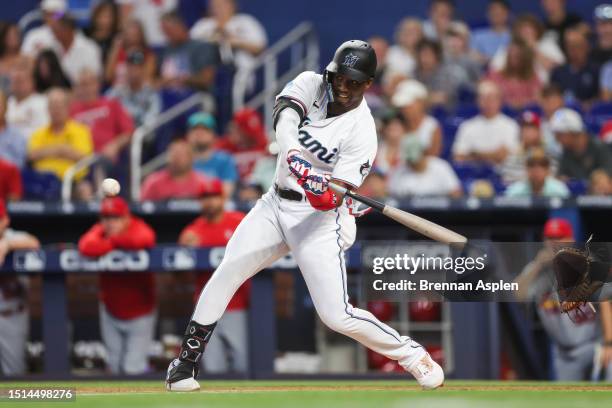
(40, 186)
(577, 187)
(600, 113)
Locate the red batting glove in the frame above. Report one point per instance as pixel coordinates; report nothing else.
(323, 202)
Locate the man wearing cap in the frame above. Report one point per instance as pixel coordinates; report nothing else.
(140, 99)
(582, 154)
(14, 318)
(178, 180)
(539, 182)
(411, 98)
(602, 52)
(39, 38)
(573, 341)
(208, 160)
(127, 300)
(228, 351)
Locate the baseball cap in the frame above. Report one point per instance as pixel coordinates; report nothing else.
(606, 132)
(603, 12)
(201, 119)
(135, 58)
(54, 6)
(2, 208)
(114, 207)
(566, 120)
(529, 118)
(211, 187)
(556, 228)
(407, 92)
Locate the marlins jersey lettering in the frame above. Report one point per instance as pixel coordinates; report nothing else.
(342, 146)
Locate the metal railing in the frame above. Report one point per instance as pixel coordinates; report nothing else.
(70, 174)
(142, 133)
(304, 48)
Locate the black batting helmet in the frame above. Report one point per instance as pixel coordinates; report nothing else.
(356, 59)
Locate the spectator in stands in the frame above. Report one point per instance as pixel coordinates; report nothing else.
(39, 38)
(600, 183)
(605, 82)
(131, 39)
(551, 100)
(104, 26)
(375, 185)
(582, 154)
(539, 181)
(579, 77)
(557, 19)
(411, 98)
(208, 160)
(127, 300)
(213, 228)
(48, 72)
(602, 52)
(185, 63)
(111, 126)
(393, 131)
(10, 44)
(513, 168)
(12, 142)
(489, 137)
(442, 80)
(248, 193)
(240, 36)
(375, 92)
(246, 140)
(422, 175)
(178, 180)
(517, 80)
(58, 146)
(27, 110)
(11, 188)
(487, 41)
(441, 13)
(137, 97)
(149, 14)
(14, 316)
(401, 58)
(573, 341)
(547, 52)
(457, 53)
(605, 134)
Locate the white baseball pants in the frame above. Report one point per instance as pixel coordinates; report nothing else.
(317, 240)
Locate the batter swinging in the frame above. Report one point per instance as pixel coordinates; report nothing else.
(326, 132)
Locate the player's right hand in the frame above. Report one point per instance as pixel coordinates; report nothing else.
(298, 165)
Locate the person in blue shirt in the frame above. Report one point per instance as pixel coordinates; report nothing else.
(487, 41)
(207, 159)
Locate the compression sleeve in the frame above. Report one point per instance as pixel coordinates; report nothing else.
(287, 131)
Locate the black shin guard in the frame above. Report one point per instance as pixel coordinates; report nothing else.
(194, 342)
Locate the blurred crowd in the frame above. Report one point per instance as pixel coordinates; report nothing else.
(520, 106)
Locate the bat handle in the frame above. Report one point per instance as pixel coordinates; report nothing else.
(340, 189)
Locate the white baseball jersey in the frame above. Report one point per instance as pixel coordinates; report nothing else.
(343, 146)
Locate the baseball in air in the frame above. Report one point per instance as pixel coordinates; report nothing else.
(110, 187)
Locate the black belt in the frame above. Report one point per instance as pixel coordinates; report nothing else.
(288, 194)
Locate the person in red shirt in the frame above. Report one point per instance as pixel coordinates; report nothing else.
(111, 126)
(128, 300)
(213, 229)
(178, 180)
(10, 181)
(246, 139)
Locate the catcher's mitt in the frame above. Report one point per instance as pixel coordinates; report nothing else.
(579, 275)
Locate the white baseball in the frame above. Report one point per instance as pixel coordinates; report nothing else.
(110, 187)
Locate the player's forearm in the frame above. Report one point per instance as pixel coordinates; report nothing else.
(287, 131)
(606, 321)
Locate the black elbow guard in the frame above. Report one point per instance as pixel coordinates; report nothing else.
(283, 103)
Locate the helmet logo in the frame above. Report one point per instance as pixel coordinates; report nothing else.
(350, 60)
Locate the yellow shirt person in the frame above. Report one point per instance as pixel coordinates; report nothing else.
(74, 136)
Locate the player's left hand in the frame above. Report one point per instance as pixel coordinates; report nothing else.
(298, 166)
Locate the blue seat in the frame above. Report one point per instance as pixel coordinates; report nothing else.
(577, 187)
(600, 113)
(40, 185)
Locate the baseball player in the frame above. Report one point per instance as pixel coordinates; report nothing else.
(326, 133)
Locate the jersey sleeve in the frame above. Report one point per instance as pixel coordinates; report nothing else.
(357, 153)
(302, 90)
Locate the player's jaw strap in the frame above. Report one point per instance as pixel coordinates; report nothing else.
(195, 340)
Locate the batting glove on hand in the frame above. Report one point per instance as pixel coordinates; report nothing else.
(315, 183)
(298, 165)
(357, 209)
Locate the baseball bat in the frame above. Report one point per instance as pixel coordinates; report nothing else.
(414, 222)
